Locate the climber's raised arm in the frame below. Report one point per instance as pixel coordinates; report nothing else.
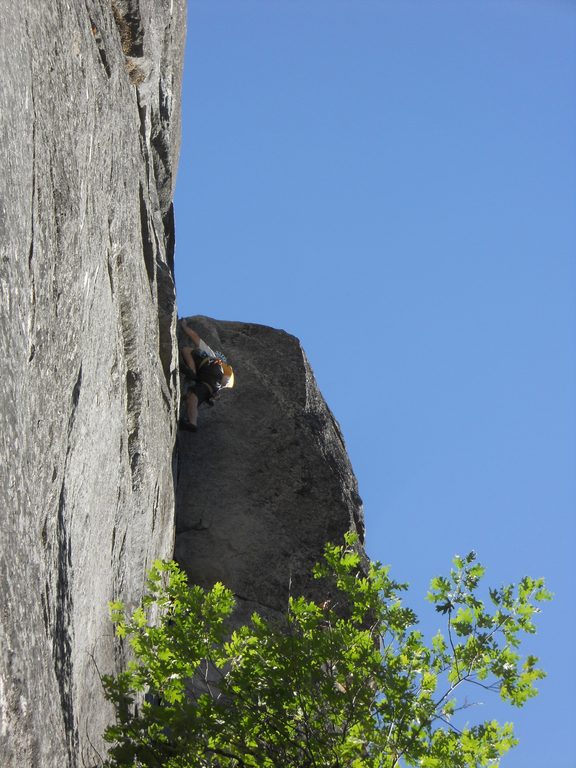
(190, 333)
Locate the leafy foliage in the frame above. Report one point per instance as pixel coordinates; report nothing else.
(347, 683)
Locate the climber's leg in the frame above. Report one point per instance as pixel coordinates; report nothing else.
(188, 358)
(192, 408)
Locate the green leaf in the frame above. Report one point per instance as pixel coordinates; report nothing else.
(343, 681)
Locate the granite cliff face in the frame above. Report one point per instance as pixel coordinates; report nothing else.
(89, 109)
(89, 112)
(266, 480)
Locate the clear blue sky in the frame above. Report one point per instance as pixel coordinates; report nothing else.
(395, 182)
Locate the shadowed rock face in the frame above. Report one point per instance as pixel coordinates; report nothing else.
(89, 111)
(266, 481)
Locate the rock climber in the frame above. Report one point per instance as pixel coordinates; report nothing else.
(204, 374)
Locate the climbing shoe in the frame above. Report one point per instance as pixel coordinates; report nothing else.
(187, 426)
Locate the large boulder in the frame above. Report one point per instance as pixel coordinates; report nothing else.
(89, 109)
(266, 481)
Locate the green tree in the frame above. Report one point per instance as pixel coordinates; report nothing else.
(349, 683)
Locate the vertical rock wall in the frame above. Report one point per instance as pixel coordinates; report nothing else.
(89, 119)
(266, 480)
(89, 113)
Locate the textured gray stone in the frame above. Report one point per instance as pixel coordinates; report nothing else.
(89, 118)
(266, 481)
(89, 112)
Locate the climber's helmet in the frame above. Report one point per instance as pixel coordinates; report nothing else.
(228, 377)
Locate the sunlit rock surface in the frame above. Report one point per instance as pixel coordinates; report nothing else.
(266, 481)
(89, 109)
